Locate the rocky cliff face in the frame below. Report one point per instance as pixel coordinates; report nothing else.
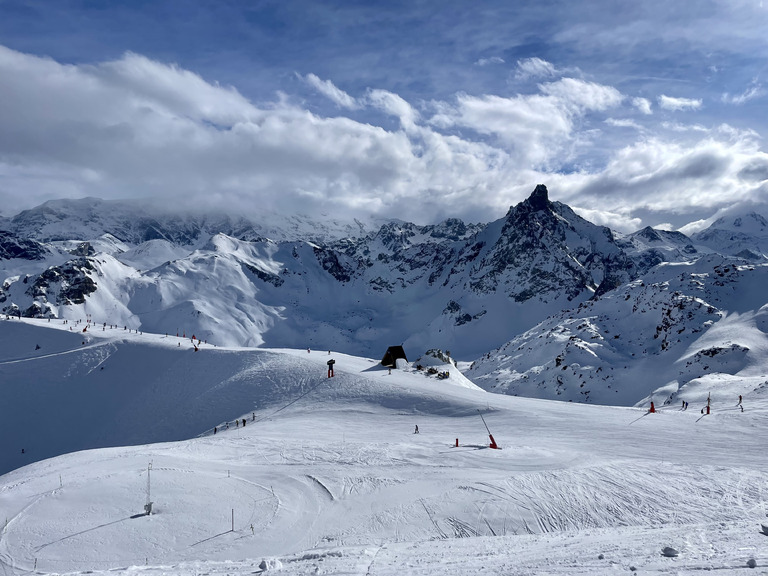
(12, 247)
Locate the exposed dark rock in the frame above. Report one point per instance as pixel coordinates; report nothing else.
(268, 277)
(22, 248)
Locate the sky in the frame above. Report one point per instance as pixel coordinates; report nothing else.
(634, 114)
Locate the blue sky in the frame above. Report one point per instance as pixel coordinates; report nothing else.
(649, 113)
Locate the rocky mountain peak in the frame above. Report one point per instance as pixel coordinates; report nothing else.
(539, 199)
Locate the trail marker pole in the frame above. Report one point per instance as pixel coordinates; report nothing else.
(233, 520)
(148, 505)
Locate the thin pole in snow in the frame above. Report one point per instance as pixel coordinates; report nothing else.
(483, 419)
(233, 520)
(149, 468)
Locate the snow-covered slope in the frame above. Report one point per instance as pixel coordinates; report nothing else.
(327, 475)
(744, 235)
(108, 386)
(649, 247)
(676, 334)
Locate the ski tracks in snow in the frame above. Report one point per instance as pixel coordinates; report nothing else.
(629, 494)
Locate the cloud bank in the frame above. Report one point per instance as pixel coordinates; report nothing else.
(136, 127)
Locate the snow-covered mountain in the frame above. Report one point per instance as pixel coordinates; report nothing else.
(744, 235)
(454, 286)
(650, 339)
(477, 290)
(649, 247)
(133, 222)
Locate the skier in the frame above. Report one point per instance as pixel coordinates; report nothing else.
(416, 431)
(243, 422)
(653, 408)
(739, 404)
(214, 430)
(330, 363)
(237, 423)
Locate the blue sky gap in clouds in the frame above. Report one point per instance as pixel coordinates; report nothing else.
(635, 114)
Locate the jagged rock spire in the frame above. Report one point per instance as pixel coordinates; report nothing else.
(539, 199)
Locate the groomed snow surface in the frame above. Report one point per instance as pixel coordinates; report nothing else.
(328, 476)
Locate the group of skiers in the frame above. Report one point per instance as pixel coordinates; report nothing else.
(705, 410)
(237, 423)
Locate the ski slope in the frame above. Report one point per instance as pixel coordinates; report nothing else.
(327, 476)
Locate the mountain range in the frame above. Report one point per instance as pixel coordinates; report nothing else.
(543, 302)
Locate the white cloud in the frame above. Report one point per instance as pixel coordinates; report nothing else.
(330, 91)
(583, 95)
(394, 105)
(660, 178)
(137, 127)
(613, 220)
(533, 127)
(489, 61)
(534, 68)
(677, 127)
(537, 129)
(675, 104)
(642, 104)
(623, 123)
(754, 91)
